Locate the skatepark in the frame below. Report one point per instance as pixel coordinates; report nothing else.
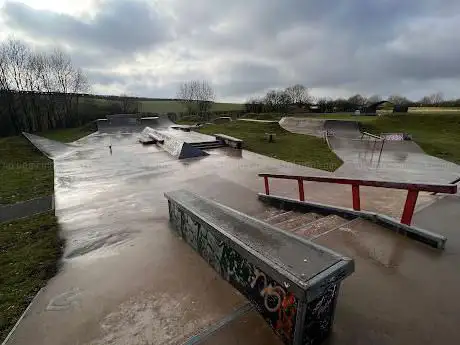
(131, 272)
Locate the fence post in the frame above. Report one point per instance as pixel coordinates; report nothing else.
(301, 191)
(356, 197)
(267, 188)
(409, 207)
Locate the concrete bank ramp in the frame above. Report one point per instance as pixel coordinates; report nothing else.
(401, 160)
(173, 145)
(50, 148)
(301, 125)
(343, 129)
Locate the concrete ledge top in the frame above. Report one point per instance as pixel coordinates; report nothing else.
(224, 136)
(302, 259)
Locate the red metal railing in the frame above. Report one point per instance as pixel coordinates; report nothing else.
(413, 189)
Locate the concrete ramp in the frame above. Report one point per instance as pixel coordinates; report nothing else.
(174, 146)
(50, 148)
(343, 129)
(301, 125)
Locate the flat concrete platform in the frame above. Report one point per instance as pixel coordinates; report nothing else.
(128, 279)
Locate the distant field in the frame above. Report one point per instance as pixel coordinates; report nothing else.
(436, 110)
(176, 107)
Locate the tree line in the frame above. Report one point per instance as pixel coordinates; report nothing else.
(298, 96)
(38, 90)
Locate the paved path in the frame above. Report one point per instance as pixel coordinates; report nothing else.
(26, 208)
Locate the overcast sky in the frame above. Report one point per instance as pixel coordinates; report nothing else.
(245, 47)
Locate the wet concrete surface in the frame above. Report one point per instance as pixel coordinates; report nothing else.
(399, 161)
(127, 279)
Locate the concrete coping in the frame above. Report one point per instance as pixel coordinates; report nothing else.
(227, 137)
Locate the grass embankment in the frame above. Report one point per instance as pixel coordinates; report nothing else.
(296, 148)
(67, 135)
(24, 172)
(29, 254)
(30, 248)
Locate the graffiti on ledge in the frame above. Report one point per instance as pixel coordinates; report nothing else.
(277, 306)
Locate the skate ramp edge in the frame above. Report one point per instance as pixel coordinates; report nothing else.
(176, 148)
(265, 264)
(50, 148)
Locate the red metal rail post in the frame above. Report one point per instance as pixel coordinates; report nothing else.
(267, 188)
(409, 207)
(356, 197)
(301, 191)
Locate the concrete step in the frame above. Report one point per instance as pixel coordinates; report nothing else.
(298, 220)
(321, 225)
(268, 213)
(210, 146)
(279, 217)
(206, 143)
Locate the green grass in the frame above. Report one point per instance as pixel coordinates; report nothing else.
(66, 135)
(25, 173)
(29, 254)
(296, 148)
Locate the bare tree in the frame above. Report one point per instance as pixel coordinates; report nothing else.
(196, 96)
(277, 100)
(433, 99)
(38, 89)
(399, 100)
(186, 95)
(357, 100)
(204, 97)
(299, 94)
(128, 104)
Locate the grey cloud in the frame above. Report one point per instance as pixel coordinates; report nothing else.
(123, 26)
(246, 47)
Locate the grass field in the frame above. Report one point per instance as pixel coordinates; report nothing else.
(176, 107)
(24, 172)
(30, 250)
(296, 148)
